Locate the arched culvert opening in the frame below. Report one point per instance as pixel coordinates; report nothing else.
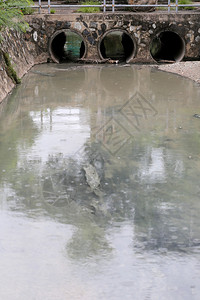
(167, 46)
(118, 45)
(66, 46)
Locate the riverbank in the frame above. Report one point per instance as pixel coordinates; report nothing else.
(188, 69)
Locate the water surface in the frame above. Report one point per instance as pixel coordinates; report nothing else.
(138, 235)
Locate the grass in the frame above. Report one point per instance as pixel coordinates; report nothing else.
(180, 8)
(186, 2)
(89, 9)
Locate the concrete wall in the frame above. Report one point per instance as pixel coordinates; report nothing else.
(23, 55)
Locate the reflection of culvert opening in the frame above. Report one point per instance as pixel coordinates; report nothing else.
(117, 45)
(67, 45)
(167, 46)
(117, 81)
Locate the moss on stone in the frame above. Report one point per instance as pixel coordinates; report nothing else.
(10, 70)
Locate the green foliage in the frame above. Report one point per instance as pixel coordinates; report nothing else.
(11, 14)
(52, 11)
(180, 8)
(186, 2)
(9, 69)
(27, 11)
(89, 9)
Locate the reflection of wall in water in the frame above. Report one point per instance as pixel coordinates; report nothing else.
(104, 90)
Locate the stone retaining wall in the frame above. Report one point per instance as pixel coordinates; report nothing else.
(142, 27)
(23, 55)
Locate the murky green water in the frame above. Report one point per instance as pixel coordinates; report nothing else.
(72, 46)
(137, 234)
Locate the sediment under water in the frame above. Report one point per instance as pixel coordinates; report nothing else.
(99, 184)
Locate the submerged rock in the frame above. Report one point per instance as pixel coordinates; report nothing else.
(92, 178)
(196, 116)
(43, 74)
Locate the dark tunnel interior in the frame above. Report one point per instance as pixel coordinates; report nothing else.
(67, 46)
(167, 46)
(117, 45)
